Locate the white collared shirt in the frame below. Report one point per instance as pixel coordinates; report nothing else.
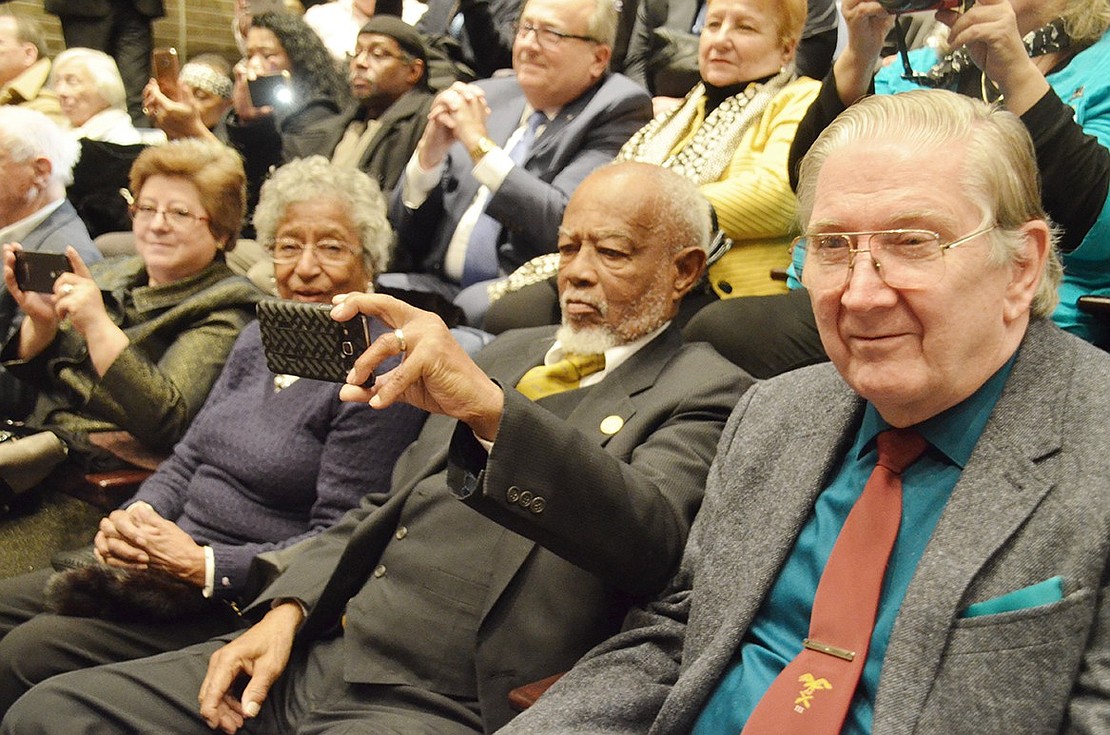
(614, 358)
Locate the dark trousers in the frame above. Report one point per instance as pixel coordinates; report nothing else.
(37, 645)
(159, 695)
(128, 37)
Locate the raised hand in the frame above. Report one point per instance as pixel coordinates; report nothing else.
(435, 373)
(457, 113)
(989, 30)
(868, 24)
(241, 97)
(78, 298)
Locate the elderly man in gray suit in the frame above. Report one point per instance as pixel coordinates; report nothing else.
(930, 265)
(417, 614)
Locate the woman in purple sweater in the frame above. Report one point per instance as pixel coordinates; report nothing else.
(269, 461)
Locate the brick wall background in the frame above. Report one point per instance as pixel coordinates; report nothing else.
(192, 27)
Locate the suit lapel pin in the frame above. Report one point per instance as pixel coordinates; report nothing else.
(611, 425)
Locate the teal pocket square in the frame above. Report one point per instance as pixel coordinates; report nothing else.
(1041, 593)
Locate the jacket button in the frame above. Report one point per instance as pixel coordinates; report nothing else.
(513, 494)
(525, 499)
(379, 571)
(538, 504)
(401, 533)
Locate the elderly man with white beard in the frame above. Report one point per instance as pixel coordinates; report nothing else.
(584, 448)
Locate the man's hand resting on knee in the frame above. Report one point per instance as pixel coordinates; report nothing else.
(261, 653)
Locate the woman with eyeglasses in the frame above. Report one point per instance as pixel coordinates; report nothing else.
(271, 460)
(280, 43)
(135, 344)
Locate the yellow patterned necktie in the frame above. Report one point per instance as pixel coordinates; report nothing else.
(564, 375)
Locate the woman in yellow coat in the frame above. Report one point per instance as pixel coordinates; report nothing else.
(731, 135)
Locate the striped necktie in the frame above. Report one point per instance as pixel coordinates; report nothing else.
(480, 262)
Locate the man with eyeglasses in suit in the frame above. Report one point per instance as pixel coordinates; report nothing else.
(488, 183)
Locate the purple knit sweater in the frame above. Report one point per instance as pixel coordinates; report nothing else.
(260, 470)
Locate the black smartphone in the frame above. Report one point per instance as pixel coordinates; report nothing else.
(302, 339)
(165, 68)
(38, 271)
(274, 90)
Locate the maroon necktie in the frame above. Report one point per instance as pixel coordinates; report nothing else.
(813, 693)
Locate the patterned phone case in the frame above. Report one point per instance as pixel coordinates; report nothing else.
(303, 339)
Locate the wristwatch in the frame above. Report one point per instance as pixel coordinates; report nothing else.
(481, 148)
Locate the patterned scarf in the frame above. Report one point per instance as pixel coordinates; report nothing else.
(712, 145)
(1047, 39)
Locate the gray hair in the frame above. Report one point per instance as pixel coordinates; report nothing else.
(316, 177)
(681, 216)
(101, 67)
(999, 176)
(27, 134)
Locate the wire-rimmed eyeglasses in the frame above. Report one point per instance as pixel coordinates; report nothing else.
(378, 54)
(904, 259)
(547, 37)
(176, 215)
(286, 250)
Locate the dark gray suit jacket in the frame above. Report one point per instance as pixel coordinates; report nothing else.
(392, 146)
(1033, 502)
(619, 504)
(586, 134)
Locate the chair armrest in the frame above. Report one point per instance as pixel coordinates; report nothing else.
(126, 447)
(109, 481)
(525, 696)
(107, 490)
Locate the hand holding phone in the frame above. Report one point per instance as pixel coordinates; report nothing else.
(302, 339)
(37, 271)
(271, 90)
(166, 67)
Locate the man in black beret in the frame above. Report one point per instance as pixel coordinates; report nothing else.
(378, 133)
